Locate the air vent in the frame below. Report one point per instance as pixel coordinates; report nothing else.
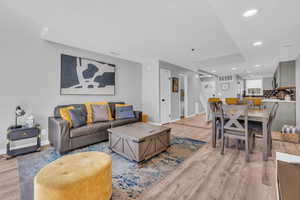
(226, 78)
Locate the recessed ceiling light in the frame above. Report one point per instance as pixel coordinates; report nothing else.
(250, 13)
(44, 31)
(257, 66)
(258, 43)
(234, 68)
(213, 71)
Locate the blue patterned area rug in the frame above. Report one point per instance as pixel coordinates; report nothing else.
(129, 178)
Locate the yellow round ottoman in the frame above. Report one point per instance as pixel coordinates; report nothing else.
(81, 176)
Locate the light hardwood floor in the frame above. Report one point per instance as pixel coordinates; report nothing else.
(204, 176)
(9, 179)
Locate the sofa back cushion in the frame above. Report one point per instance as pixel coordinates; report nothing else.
(57, 109)
(112, 106)
(78, 117)
(90, 111)
(124, 111)
(100, 113)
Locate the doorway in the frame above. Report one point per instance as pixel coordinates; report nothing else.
(182, 96)
(165, 96)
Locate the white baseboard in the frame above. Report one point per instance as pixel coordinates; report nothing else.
(195, 114)
(174, 120)
(192, 115)
(43, 143)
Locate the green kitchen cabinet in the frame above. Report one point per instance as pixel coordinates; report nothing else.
(285, 74)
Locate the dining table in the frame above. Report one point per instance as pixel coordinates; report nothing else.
(254, 115)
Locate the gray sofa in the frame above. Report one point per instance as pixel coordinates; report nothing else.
(65, 139)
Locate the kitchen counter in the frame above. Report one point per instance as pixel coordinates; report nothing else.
(286, 114)
(276, 100)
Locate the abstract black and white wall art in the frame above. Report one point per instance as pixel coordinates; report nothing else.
(87, 77)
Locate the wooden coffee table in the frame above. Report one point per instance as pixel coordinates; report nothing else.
(139, 141)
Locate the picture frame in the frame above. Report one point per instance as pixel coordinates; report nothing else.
(175, 84)
(84, 76)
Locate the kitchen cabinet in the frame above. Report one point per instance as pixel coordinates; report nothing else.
(285, 74)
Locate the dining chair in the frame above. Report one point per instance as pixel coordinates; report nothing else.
(209, 110)
(257, 102)
(231, 101)
(235, 128)
(215, 107)
(249, 101)
(257, 128)
(211, 100)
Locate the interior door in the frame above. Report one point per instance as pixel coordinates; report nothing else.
(165, 96)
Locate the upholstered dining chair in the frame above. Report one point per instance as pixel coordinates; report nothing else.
(232, 101)
(235, 128)
(256, 127)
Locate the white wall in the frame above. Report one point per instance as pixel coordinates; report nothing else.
(267, 83)
(193, 94)
(233, 88)
(150, 85)
(30, 73)
(298, 91)
(193, 86)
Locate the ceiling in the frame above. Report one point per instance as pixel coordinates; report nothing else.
(170, 29)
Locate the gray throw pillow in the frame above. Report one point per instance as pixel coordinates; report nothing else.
(100, 113)
(124, 112)
(78, 117)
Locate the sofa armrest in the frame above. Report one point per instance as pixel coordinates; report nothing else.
(138, 115)
(59, 134)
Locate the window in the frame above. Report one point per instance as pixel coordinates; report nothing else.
(254, 87)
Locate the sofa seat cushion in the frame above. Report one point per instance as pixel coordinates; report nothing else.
(121, 122)
(89, 129)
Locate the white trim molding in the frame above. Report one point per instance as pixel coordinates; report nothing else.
(174, 120)
(192, 115)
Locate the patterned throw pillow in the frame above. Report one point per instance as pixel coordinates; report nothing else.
(124, 111)
(90, 111)
(100, 113)
(78, 117)
(65, 115)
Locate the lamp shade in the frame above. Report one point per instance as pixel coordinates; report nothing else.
(20, 111)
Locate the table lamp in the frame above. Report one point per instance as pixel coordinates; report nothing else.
(18, 113)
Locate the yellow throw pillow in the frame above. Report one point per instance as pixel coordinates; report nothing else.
(65, 115)
(90, 110)
(122, 105)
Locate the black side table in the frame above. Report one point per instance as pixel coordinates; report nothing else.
(21, 134)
